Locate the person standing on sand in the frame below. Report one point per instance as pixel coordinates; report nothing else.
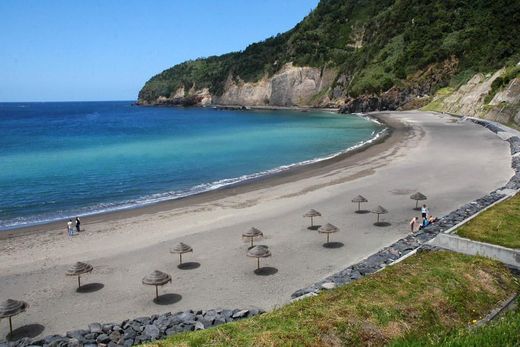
(69, 227)
(424, 211)
(413, 224)
(78, 222)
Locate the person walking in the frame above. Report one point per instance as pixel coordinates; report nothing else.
(78, 222)
(69, 227)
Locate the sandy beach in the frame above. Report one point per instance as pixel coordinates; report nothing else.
(451, 162)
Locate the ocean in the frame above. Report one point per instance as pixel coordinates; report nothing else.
(67, 159)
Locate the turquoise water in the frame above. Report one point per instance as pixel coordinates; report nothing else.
(59, 160)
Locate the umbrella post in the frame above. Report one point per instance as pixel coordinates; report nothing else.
(79, 281)
(359, 205)
(156, 292)
(257, 263)
(251, 241)
(312, 222)
(10, 326)
(416, 203)
(180, 258)
(378, 217)
(328, 237)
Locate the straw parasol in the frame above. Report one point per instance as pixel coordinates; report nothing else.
(180, 249)
(252, 233)
(418, 197)
(359, 199)
(157, 278)
(311, 214)
(328, 229)
(10, 308)
(379, 210)
(258, 252)
(79, 269)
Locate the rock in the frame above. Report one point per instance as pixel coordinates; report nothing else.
(240, 314)
(95, 328)
(328, 285)
(199, 326)
(103, 338)
(116, 337)
(219, 321)
(152, 331)
(129, 333)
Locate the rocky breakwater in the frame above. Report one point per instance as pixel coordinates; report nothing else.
(418, 240)
(139, 330)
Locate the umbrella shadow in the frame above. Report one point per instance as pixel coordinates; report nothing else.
(192, 265)
(416, 209)
(333, 245)
(29, 330)
(90, 288)
(314, 227)
(362, 211)
(167, 299)
(382, 224)
(266, 271)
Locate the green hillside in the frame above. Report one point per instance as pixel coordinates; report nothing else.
(374, 45)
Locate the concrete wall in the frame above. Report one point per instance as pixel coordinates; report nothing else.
(466, 246)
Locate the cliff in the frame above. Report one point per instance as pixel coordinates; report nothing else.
(359, 55)
(493, 96)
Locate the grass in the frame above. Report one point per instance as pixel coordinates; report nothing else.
(505, 332)
(498, 225)
(428, 294)
(437, 103)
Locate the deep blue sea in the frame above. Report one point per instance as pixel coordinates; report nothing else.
(59, 160)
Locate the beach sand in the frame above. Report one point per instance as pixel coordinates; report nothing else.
(451, 162)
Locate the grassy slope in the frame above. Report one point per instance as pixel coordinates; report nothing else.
(498, 225)
(426, 294)
(505, 332)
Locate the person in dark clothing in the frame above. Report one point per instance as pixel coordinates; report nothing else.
(78, 222)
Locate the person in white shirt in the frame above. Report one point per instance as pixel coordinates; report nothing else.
(69, 227)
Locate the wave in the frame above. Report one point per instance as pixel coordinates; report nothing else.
(173, 195)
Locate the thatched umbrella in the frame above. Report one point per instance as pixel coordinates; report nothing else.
(180, 249)
(157, 278)
(10, 308)
(311, 214)
(258, 252)
(379, 210)
(359, 199)
(79, 269)
(252, 233)
(328, 229)
(418, 197)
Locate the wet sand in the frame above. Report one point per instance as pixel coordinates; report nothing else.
(451, 162)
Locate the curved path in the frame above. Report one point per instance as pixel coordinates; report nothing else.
(450, 161)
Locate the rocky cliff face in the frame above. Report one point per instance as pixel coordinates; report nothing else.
(291, 86)
(480, 97)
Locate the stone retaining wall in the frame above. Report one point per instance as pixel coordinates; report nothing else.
(139, 330)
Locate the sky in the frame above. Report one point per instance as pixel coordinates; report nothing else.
(107, 49)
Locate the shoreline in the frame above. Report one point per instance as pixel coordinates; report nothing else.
(295, 170)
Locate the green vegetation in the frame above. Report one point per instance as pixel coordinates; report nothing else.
(436, 104)
(429, 294)
(502, 81)
(374, 43)
(505, 332)
(498, 225)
